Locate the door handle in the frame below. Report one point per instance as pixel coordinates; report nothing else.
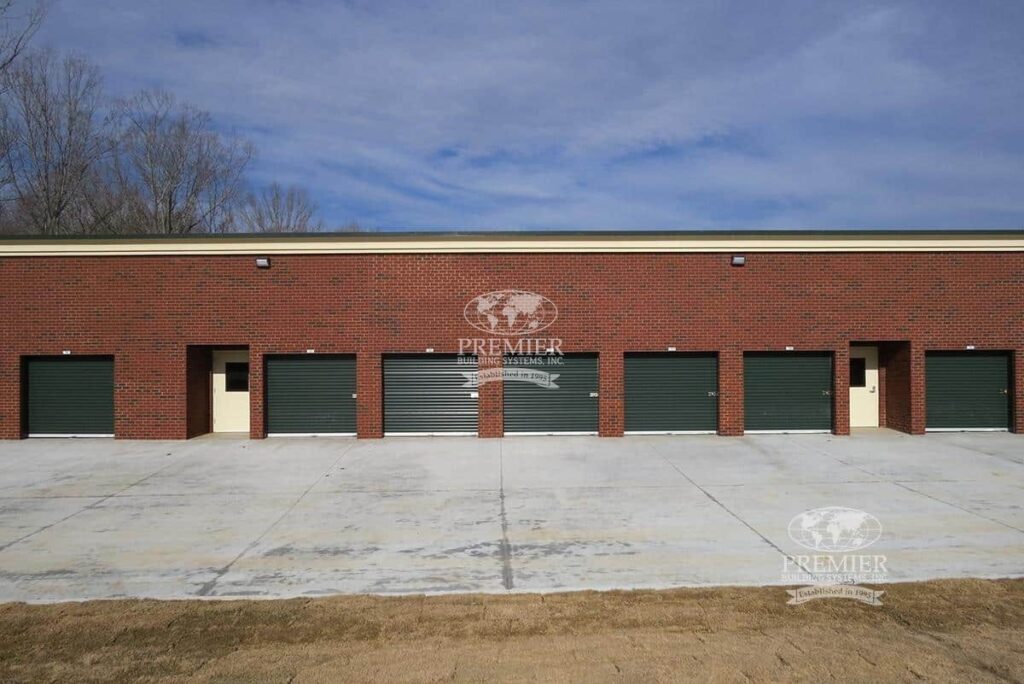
(593, 395)
(826, 393)
(1004, 391)
(712, 394)
(872, 390)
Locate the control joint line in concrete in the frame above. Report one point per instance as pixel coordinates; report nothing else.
(91, 506)
(743, 522)
(506, 548)
(207, 587)
(958, 506)
(901, 485)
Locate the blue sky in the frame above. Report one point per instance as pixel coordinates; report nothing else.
(599, 114)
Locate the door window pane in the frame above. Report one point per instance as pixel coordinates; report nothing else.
(236, 377)
(858, 372)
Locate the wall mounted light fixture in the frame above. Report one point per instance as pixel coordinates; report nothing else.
(262, 262)
(739, 260)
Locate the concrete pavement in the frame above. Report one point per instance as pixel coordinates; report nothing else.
(220, 517)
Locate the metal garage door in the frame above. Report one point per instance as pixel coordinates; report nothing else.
(967, 390)
(69, 395)
(312, 394)
(671, 392)
(788, 391)
(426, 394)
(568, 407)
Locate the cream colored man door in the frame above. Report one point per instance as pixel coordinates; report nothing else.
(863, 386)
(231, 390)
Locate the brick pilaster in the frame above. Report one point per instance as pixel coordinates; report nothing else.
(918, 418)
(841, 391)
(611, 383)
(369, 399)
(1017, 392)
(492, 404)
(730, 392)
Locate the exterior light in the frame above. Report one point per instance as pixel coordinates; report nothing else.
(262, 262)
(739, 260)
(66, 352)
(788, 348)
(311, 351)
(671, 348)
(970, 347)
(430, 350)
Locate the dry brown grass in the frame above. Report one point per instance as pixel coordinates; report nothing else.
(965, 630)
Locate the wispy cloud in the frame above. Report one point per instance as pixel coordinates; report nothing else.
(602, 113)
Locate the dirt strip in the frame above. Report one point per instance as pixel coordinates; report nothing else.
(962, 630)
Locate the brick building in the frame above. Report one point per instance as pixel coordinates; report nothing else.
(174, 337)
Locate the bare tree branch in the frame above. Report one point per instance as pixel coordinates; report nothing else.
(19, 21)
(52, 138)
(279, 210)
(182, 175)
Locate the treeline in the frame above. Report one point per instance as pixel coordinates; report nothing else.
(74, 161)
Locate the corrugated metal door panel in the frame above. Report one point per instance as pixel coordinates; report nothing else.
(311, 394)
(967, 389)
(570, 407)
(70, 395)
(787, 391)
(670, 392)
(426, 393)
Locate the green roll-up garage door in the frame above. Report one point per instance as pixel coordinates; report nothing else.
(568, 404)
(966, 390)
(312, 394)
(787, 391)
(71, 395)
(426, 393)
(671, 392)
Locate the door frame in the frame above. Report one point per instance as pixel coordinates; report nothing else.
(877, 384)
(213, 390)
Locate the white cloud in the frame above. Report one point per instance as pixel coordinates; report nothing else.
(596, 114)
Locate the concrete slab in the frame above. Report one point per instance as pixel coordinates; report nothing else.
(380, 542)
(81, 467)
(22, 517)
(155, 546)
(398, 464)
(287, 517)
(590, 538)
(240, 467)
(782, 459)
(583, 462)
(922, 538)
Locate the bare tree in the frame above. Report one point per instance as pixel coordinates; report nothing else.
(51, 140)
(280, 210)
(353, 227)
(19, 21)
(179, 174)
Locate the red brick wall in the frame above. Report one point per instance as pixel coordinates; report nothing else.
(198, 395)
(492, 399)
(894, 360)
(146, 310)
(1018, 391)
